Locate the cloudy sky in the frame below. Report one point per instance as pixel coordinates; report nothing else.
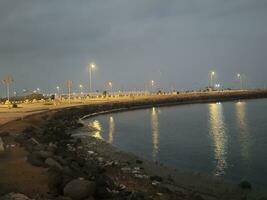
(43, 43)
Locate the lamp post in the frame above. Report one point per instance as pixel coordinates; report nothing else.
(81, 88)
(110, 85)
(239, 77)
(212, 74)
(58, 88)
(152, 85)
(91, 66)
(69, 85)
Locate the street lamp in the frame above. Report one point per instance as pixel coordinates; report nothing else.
(110, 85)
(58, 91)
(91, 66)
(152, 84)
(239, 77)
(212, 74)
(69, 84)
(81, 88)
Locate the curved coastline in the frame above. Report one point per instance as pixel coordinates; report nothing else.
(247, 95)
(183, 182)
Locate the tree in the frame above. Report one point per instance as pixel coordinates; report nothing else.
(8, 80)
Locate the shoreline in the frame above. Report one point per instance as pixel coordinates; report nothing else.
(188, 186)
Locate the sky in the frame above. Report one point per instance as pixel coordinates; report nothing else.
(176, 43)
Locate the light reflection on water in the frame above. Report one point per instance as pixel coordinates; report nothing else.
(155, 133)
(111, 130)
(219, 136)
(96, 129)
(244, 136)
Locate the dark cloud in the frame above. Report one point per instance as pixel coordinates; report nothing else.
(44, 43)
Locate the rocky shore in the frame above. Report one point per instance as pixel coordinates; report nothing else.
(63, 166)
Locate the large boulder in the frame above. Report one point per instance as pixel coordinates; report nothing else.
(14, 196)
(79, 189)
(35, 159)
(53, 163)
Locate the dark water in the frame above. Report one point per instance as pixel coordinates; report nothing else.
(224, 139)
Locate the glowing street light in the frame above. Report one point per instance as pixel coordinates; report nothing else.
(152, 85)
(212, 74)
(110, 85)
(91, 66)
(81, 88)
(239, 77)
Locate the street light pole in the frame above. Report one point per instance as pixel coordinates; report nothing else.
(69, 84)
(91, 66)
(81, 88)
(110, 85)
(152, 85)
(239, 76)
(212, 74)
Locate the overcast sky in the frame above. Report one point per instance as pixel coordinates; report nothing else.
(43, 43)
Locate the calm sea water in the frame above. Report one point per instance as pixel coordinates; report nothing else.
(223, 139)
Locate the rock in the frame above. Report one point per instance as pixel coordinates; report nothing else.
(35, 160)
(14, 196)
(105, 181)
(245, 185)
(45, 154)
(137, 196)
(1, 145)
(55, 179)
(79, 189)
(156, 178)
(103, 193)
(155, 183)
(51, 147)
(5, 134)
(52, 163)
(139, 162)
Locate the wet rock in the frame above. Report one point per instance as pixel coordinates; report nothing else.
(103, 193)
(137, 196)
(14, 196)
(139, 162)
(1, 145)
(5, 134)
(60, 160)
(53, 163)
(44, 154)
(21, 138)
(79, 189)
(156, 178)
(155, 183)
(55, 179)
(245, 185)
(197, 197)
(105, 181)
(52, 147)
(35, 160)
